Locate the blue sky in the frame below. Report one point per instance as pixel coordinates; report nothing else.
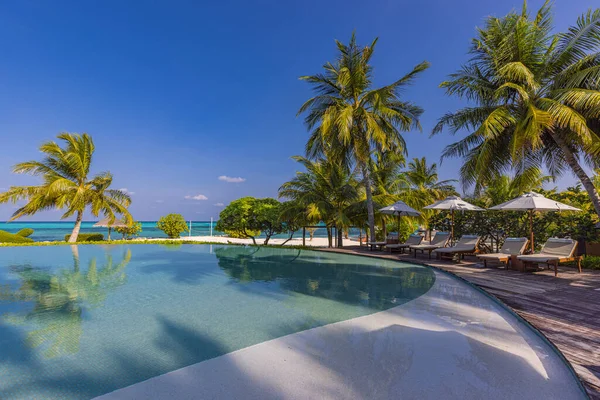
(179, 93)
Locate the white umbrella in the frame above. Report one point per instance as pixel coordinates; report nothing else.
(531, 202)
(400, 209)
(105, 223)
(453, 203)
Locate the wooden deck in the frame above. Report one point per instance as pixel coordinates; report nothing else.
(566, 309)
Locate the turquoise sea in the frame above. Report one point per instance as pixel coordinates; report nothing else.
(45, 231)
(57, 230)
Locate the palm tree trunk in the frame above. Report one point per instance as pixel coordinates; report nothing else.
(579, 172)
(329, 238)
(340, 233)
(370, 211)
(77, 227)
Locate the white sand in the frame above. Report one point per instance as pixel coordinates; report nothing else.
(297, 241)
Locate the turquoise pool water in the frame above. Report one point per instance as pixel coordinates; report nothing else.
(80, 321)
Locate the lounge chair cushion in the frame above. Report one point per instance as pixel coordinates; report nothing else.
(466, 244)
(494, 256)
(412, 240)
(553, 250)
(514, 246)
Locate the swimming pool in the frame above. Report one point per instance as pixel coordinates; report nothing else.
(245, 322)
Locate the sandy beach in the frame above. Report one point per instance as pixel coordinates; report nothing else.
(316, 242)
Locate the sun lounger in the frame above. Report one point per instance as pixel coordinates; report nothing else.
(391, 239)
(466, 245)
(412, 240)
(439, 240)
(511, 247)
(554, 252)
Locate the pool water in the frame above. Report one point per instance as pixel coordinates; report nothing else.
(79, 322)
(82, 321)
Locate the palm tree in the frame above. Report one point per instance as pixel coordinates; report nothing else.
(420, 184)
(502, 188)
(326, 192)
(536, 99)
(348, 119)
(66, 184)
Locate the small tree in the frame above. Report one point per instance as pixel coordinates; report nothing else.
(130, 230)
(172, 225)
(248, 217)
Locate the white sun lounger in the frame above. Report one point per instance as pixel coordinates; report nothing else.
(554, 252)
(412, 240)
(439, 240)
(510, 247)
(466, 245)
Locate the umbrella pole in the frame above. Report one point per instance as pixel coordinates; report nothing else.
(109, 233)
(531, 231)
(452, 226)
(398, 227)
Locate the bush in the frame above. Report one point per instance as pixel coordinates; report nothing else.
(590, 262)
(172, 225)
(248, 217)
(7, 237)
(25, 232)
(87, 237)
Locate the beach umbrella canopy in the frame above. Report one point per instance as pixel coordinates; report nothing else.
(453, 203)
(105, 223)
(400, 209)
(531, 202)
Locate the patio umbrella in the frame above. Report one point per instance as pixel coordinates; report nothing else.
(400, 209)
(105, 223)
(453, 203)
(531, 202)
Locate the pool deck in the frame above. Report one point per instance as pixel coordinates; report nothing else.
(566, 309)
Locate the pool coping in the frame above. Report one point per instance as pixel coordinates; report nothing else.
(487, 294)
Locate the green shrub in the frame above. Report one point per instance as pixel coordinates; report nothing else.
(87, 237)
(7, 237)
(25, 232)
(172, 225)
(590, 262)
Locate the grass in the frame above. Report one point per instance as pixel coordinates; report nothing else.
(146, 241)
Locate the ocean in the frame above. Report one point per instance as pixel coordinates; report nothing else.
(50, 231)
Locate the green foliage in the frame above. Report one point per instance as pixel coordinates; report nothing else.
(407, 227)
(87, 237)
(534, 97)
(66, 184)
(349, 119)
(172, 225)
(129, 231)
(590, 262)
(7, 237)
(248, 217)
(25, 232)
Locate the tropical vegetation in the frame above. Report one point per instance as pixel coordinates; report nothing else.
(173, 225)
(534, 99)
(129, 231)
(349, 119)
(67, 184)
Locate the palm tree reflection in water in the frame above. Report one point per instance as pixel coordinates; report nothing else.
(59, 299)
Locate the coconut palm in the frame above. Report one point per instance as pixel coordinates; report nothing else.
(502, 188)
(348, 119)
(67, 185)
(420, 184)
(326, 192)
(535, 95)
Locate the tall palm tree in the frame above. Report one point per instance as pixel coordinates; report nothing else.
(326, 191)
(349, 119)
(535, 95)
(420, 184)
(66, 184)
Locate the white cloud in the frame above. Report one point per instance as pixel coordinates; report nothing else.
(196, 197)
(218, 204)
(126, 191)
(230, 179)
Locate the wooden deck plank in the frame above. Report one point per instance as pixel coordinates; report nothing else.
(566, 309)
